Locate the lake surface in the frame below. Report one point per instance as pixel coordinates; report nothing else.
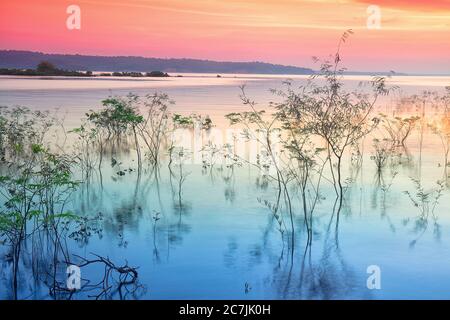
(216, 240)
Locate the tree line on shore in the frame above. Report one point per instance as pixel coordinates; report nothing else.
(45, 68)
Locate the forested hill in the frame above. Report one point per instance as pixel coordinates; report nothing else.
(29, 59)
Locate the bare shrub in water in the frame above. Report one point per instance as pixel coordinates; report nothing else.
(20, 128)
(398, 128)
(382, 151)
(326, 110)
(119, 118)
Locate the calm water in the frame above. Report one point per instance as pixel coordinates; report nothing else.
(221, 242)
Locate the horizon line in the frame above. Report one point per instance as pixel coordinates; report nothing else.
(391, 72)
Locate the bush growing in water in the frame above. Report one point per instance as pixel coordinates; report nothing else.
(35, 193)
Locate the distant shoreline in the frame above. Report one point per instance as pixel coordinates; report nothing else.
(55, 72)
(97, 75)
(20, 59)
(17, 59)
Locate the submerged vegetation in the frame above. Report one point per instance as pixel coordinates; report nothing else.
(311, 147)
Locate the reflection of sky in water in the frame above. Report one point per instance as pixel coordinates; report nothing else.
(222, 238)
(222, 242)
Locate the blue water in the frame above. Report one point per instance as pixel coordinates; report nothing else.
(222, 243)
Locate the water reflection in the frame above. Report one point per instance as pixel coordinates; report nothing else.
(159, 213)
(186, 228)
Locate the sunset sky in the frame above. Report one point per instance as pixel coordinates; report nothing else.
(414, 35)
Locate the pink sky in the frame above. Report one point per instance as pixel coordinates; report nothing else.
(414, 35)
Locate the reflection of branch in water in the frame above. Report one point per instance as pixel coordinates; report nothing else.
(426, 202)
(156, 218)
(329, 277)
(229, 179)
(384, 187)
(116, 279)
(262, 182)
(180, 207)
(302, 276)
